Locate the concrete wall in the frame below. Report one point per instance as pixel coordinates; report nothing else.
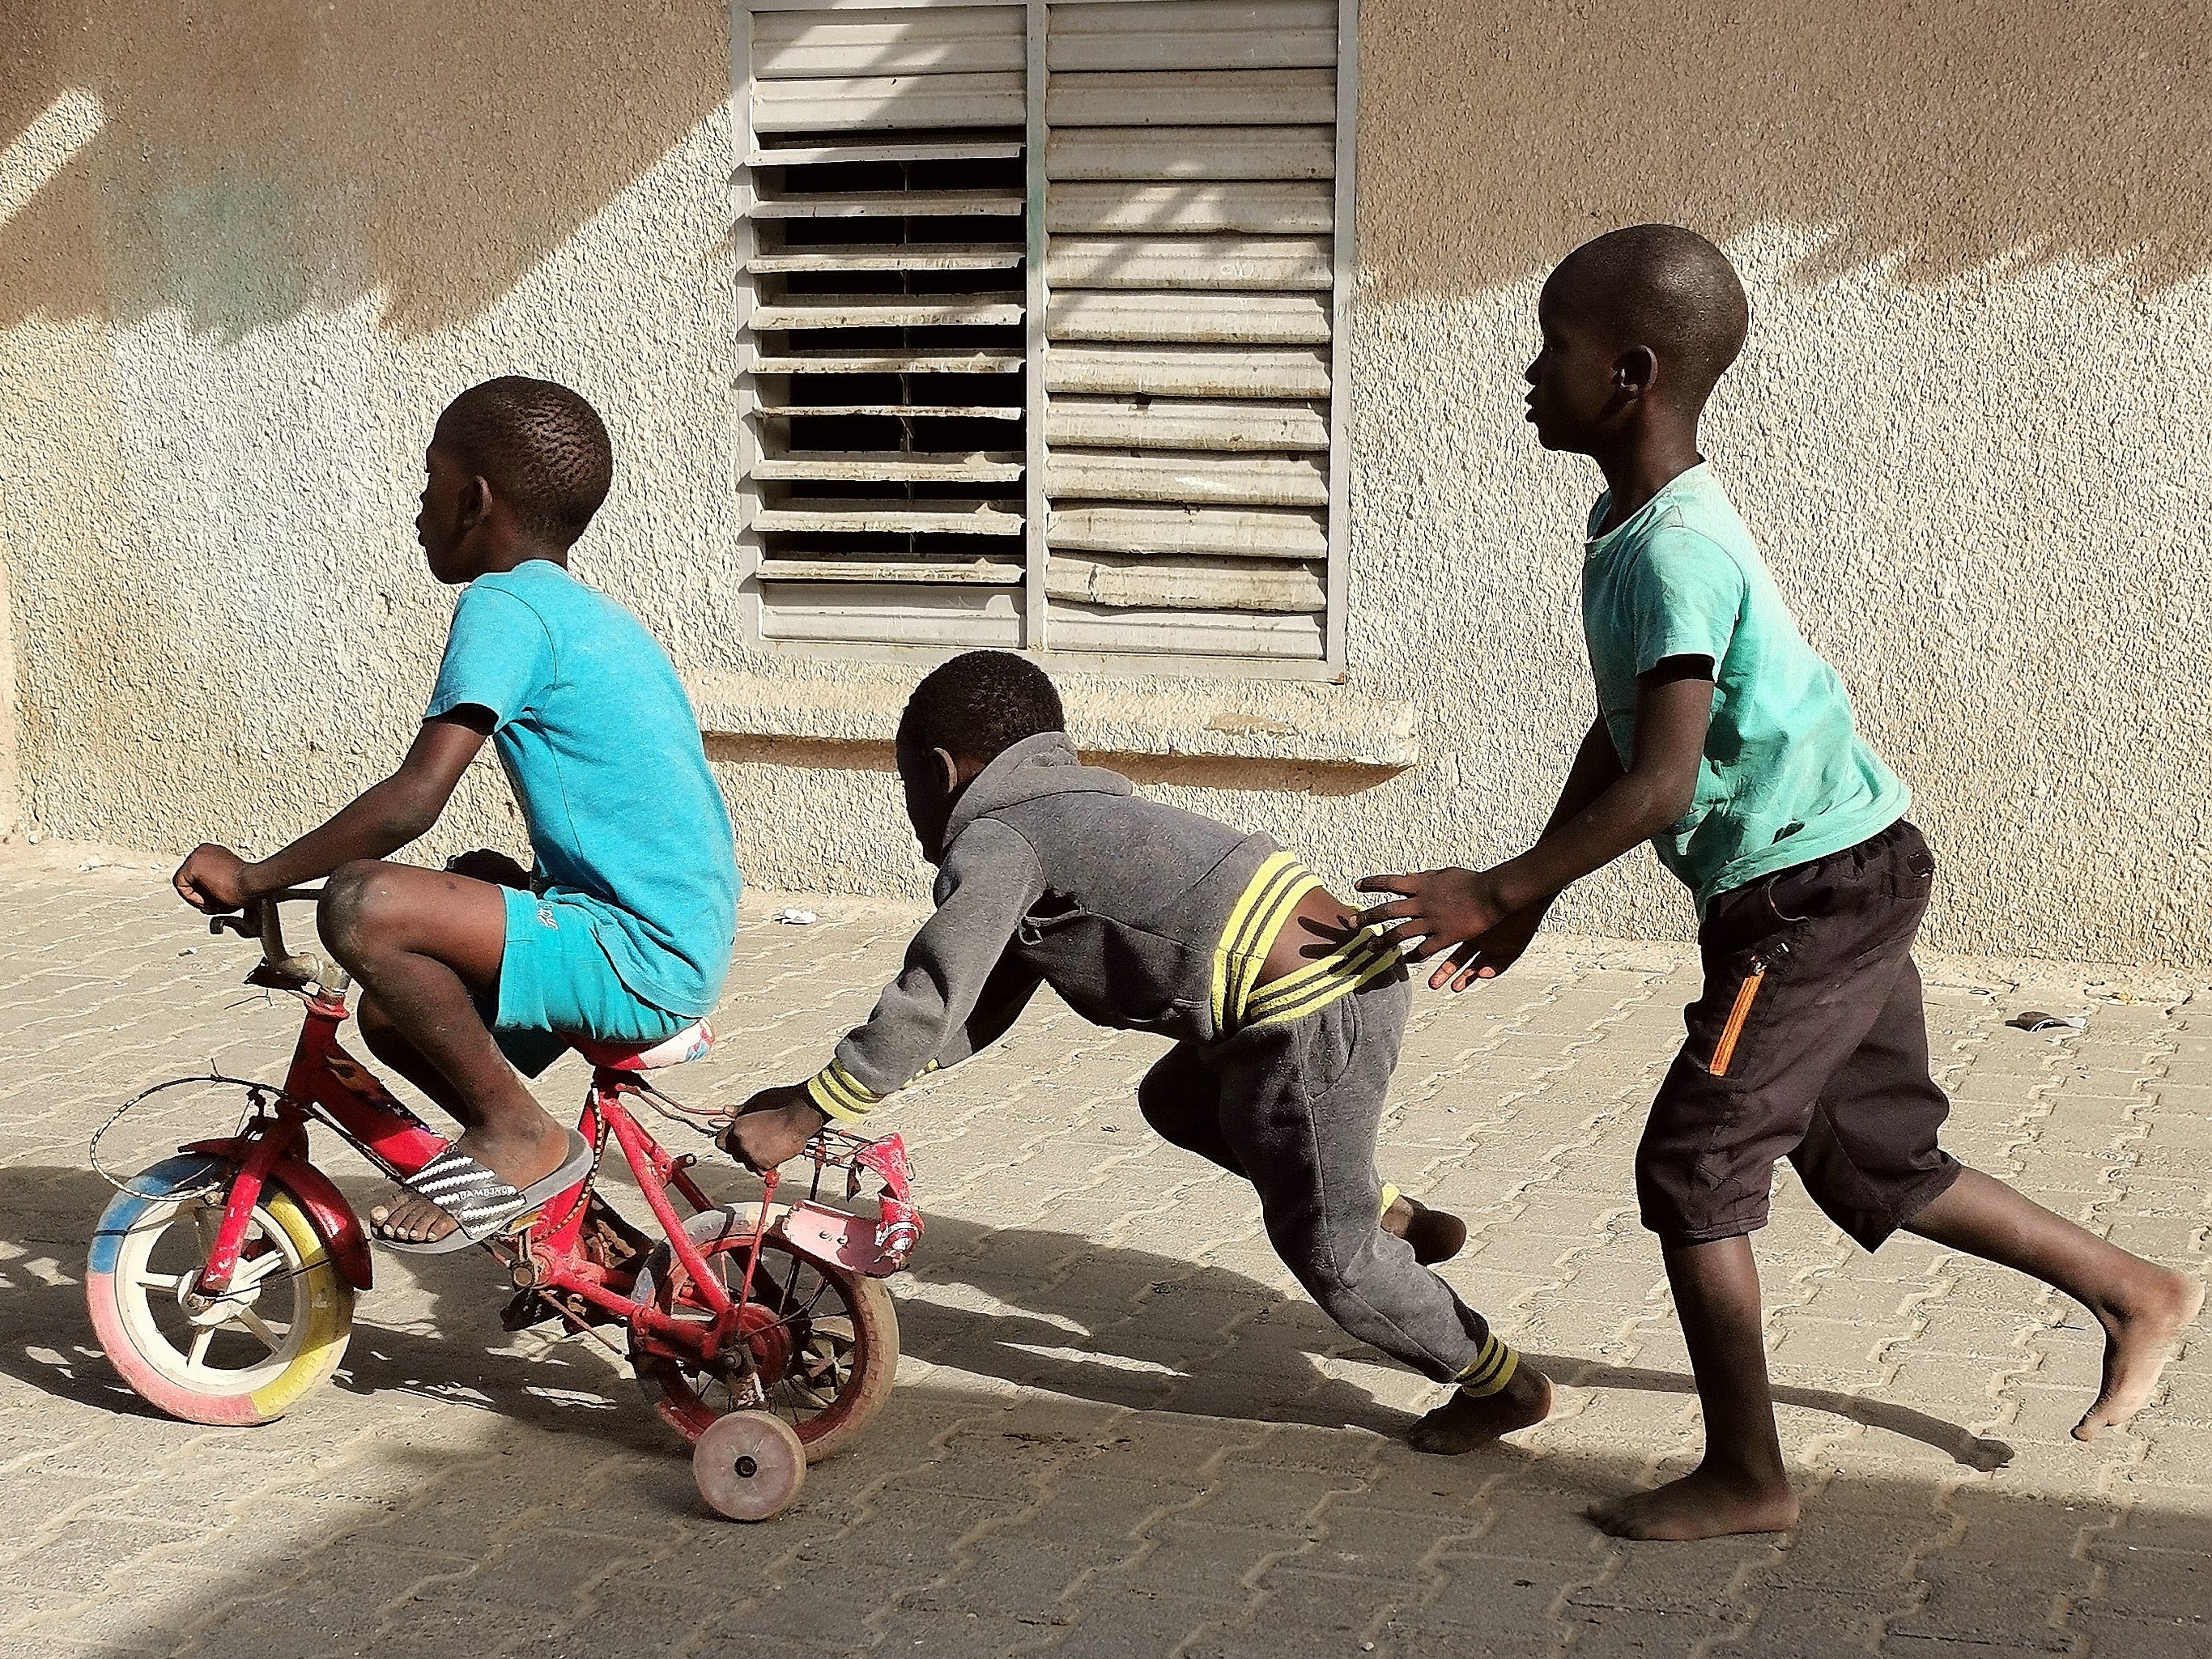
(247, 252)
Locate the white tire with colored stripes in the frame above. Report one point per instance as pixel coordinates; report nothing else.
(251, 1355)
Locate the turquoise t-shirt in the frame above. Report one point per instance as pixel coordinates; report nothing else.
(603, 750)
(1785, 779)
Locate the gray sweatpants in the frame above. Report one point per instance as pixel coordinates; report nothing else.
(1293, 1108)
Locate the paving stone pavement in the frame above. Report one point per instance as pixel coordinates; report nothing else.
(1119, 1430)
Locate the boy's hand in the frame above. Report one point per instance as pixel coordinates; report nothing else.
(486, 864)
(1493, 953)
(1441, 908)
(212, 880)
(775, 1125)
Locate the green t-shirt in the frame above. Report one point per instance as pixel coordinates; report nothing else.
(1785, 778)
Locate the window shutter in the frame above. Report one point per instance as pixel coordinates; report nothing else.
(883, 200)
(1189, 221)
(1105, 428)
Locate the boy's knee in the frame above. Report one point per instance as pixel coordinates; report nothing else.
(1332, 1279)
(346, 917)
(1155, 1103)
(1168, 1100)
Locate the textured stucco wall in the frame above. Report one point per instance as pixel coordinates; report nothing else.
(247, 252)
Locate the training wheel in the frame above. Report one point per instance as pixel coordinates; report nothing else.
(749, 1465)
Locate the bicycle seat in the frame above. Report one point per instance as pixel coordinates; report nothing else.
(692, 1043)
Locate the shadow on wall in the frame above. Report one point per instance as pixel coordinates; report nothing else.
(243, 161)
(1941, 138)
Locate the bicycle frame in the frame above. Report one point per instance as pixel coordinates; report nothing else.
(325, 1084)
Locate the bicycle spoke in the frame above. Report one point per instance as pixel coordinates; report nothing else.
(159, 1281)
(253, 1273)
(259, 1326)
(197, 1356)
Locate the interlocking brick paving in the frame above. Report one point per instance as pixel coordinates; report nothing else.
(1119, 1430)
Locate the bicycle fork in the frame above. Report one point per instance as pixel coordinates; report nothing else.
(238, 1214)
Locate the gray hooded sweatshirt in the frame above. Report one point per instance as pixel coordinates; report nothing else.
(1054, 873)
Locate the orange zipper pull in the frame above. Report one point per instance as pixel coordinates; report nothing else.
(1747, 993)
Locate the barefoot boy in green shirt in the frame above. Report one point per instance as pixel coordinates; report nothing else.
(1724, 740)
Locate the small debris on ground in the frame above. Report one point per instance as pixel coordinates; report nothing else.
(796, 917)
(2056, 1026)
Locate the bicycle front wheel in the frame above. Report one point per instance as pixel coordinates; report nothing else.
(279, 1332)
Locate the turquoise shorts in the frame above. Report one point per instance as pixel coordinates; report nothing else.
(555, 983)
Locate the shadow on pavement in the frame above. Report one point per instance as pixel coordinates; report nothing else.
(979, 1519)
(1165, 1334)
(1044, 1310)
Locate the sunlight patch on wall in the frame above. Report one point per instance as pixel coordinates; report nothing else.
(45, 147)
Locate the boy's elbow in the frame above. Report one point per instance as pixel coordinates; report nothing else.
(410, 811)
(1666, 800)
(416, 825)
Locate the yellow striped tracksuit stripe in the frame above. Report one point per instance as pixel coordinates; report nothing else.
(1493, 1368)
(1253, 920)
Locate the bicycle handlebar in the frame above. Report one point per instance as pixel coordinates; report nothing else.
(261, 919)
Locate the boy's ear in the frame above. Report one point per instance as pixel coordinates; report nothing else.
(472, 506)
(948, 770)
(1635, 371)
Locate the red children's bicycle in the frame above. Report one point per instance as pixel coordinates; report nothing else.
(221, 1281)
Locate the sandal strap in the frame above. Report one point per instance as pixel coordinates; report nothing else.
(479, 1202)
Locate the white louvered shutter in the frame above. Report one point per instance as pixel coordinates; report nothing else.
(1127, 452)
(885, 398)
(1189, 222)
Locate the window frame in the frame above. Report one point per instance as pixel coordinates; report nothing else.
(1331, 666)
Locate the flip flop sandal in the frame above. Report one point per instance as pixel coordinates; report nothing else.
(483, 1204)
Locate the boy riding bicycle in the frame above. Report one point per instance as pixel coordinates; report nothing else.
(623, 931)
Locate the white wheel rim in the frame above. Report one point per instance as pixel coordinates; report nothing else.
(251, 1338)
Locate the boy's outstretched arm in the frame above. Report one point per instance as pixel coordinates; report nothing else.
(1596, 768)
(778, 1121)
(378, 822)
(1604, 809)
(954, 994)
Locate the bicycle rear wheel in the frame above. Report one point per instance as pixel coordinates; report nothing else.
(822, 1340)
(280, 1330)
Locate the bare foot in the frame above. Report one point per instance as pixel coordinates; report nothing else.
(1435, 1235)
(2139, 1333)
(412, 1219)
(1703, 1503)
(1464, 1422)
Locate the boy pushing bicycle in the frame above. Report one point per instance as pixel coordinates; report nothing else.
(622, 931)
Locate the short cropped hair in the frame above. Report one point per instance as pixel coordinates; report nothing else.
(981, 704)
(542, 448)
(1662, 286)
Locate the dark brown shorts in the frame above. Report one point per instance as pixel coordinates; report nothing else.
(1808, 1041)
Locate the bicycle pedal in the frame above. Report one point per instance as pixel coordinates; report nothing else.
(524, 1309)
(527, 1310)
